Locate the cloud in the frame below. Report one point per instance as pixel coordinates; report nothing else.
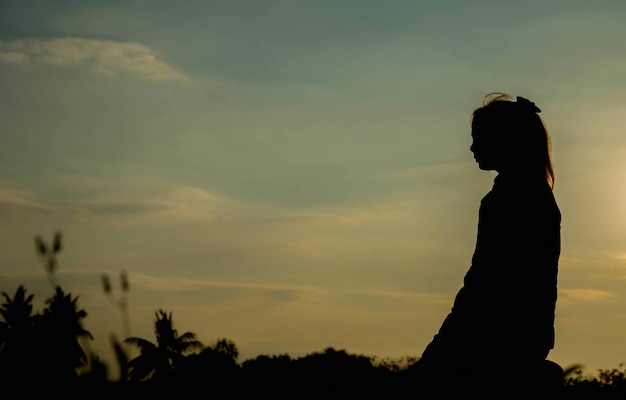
(319, 244)
(13, 57)
(19, 206)
(19, 198)
(184, 203)
(186, 285)
(135, 199)
(585, 295)
(105, 57)
(302, 292)
(132, 198)
(125, 208)
(619, 260)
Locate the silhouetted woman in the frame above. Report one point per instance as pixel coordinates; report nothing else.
(496, 338)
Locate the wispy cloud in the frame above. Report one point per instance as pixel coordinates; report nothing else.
(19, 198)
(137, 198)
(116, 201)
(187, 285)
(585, 295)
(184, 203)
(21, 206)
(319, 244)
(302, 291)
(104, 57)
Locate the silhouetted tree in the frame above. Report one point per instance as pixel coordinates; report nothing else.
(18, 341)
(18, 320)
(335, 373)
(331, 374)
(214, 366)
(157, 361)
(60, 330)
(271, 376)
(228, 348)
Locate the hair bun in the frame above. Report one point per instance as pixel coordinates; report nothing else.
(527, 104)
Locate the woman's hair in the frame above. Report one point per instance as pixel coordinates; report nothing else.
(519, 128)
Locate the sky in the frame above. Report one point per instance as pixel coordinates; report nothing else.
(296, 175)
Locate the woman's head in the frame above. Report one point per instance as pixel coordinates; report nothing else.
(511, 136)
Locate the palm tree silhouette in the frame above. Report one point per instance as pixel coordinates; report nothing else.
(17, 315)
(158, 361)
(17, 336)
(60, 332)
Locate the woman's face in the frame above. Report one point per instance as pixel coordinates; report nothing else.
(487, 151)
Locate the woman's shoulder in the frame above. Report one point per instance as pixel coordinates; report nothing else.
(519, 194)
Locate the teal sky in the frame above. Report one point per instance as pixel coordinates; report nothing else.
(294, 175)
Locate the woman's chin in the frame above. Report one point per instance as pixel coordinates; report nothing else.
(486, 167)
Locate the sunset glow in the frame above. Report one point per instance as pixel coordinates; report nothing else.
(297, 175)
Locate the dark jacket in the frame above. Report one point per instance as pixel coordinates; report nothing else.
(505, 310)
